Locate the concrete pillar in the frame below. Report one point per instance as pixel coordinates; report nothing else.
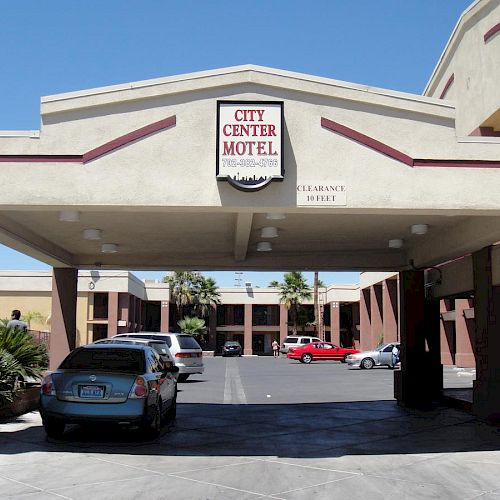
(63, 314)
(283, 322)
(486, 391)
(420, 379)
(112, 313)
(390, 310)
(212, 328)
(247, 348)
(164, 316)
(124, 312)
(377, 324)
(465, 335)
(446, 334)
(365, 329)
(131, 312)
(355, 324)
(335, 323)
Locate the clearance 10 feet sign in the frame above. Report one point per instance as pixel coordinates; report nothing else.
(249, 143)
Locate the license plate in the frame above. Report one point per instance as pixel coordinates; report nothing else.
(92, 391)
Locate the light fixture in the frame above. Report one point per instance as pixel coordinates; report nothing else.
(269, 232)
(397, 243)
(264, 246)
(92, 234)
(109, 248)
(419, 228)
(275, 216)
(69, 215)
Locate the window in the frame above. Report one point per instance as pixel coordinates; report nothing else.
(100, 306)
(114, 360)
(327, 346)
(305, 340)
(187, 342)
(291, 340)
(165, 339)
(387, 349)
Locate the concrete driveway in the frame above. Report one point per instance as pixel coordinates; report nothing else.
(264, 428)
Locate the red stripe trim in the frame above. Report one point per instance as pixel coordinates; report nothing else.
(40, 158)
(366, 141)
(384, 149)
(491, 32)
(108, 147)
(128, 138)
(447, 86)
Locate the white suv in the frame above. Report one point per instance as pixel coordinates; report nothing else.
(296, 341)
(187, 353)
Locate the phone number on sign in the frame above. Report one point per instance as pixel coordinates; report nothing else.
(249, 162)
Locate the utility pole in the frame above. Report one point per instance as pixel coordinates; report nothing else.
(238, 278)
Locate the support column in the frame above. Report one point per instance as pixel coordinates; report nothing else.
(131, 312)
(335, 323)
(112, 313)
(63, 314)
(465, 335)
(247, 348)
(164, 316)
(446, 334)
(377, 324)
(124, 312)
(364, 320)
(420, 379)
(390, 310)
(283, 323)
(212, 328)
(486, 389)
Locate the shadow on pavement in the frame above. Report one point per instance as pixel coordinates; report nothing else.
(286, 431)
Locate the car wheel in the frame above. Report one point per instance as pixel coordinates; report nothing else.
(53, 428)
(367, 363)
(182, 377)
(306, 358)
(344, 359)
(153, 429)
(172, 411)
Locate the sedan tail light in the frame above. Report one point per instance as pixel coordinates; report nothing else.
(139, 389)
(188, 355)
(48, 388)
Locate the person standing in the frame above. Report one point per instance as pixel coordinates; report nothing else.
(395, 355)
(276, 348)
(15, 321)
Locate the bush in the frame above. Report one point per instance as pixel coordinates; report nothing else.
(20, 357)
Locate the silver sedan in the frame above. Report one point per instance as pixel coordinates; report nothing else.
(380, 356)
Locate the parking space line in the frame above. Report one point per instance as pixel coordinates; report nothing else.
(36, 488)
(233, 388)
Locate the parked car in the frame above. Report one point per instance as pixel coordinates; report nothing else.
(231, 348)
(109, 383)
(187, 353)
(296, 341)
(318, 351)
(380, 356)
(160, 346)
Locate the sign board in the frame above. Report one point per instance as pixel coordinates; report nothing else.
(249, 143)
(326, 194)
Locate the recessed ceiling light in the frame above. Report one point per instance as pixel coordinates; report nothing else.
(269, 232)
(275, 216)
(109, 248)
(92, 234)
(69, 216)
(419, 228)
(395, 243)
(264, 246)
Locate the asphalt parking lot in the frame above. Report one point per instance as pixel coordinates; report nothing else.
(265, 428)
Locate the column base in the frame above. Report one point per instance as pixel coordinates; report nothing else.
(486, 399)
(418, 387)
(247, 352)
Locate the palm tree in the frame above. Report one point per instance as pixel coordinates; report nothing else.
(193, 326)
(274, 284)
(183, 286)
(293, 291)
(207, 296)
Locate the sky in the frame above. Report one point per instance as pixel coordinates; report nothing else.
(62, 46)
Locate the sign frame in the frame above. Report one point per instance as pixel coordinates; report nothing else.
(267, 181)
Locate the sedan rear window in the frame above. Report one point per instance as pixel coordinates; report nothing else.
(187, 342)
(114, 360)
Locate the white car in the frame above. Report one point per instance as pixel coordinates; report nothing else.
(187, 353)
(297, 341)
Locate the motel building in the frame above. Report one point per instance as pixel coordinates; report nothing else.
(252, 168)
